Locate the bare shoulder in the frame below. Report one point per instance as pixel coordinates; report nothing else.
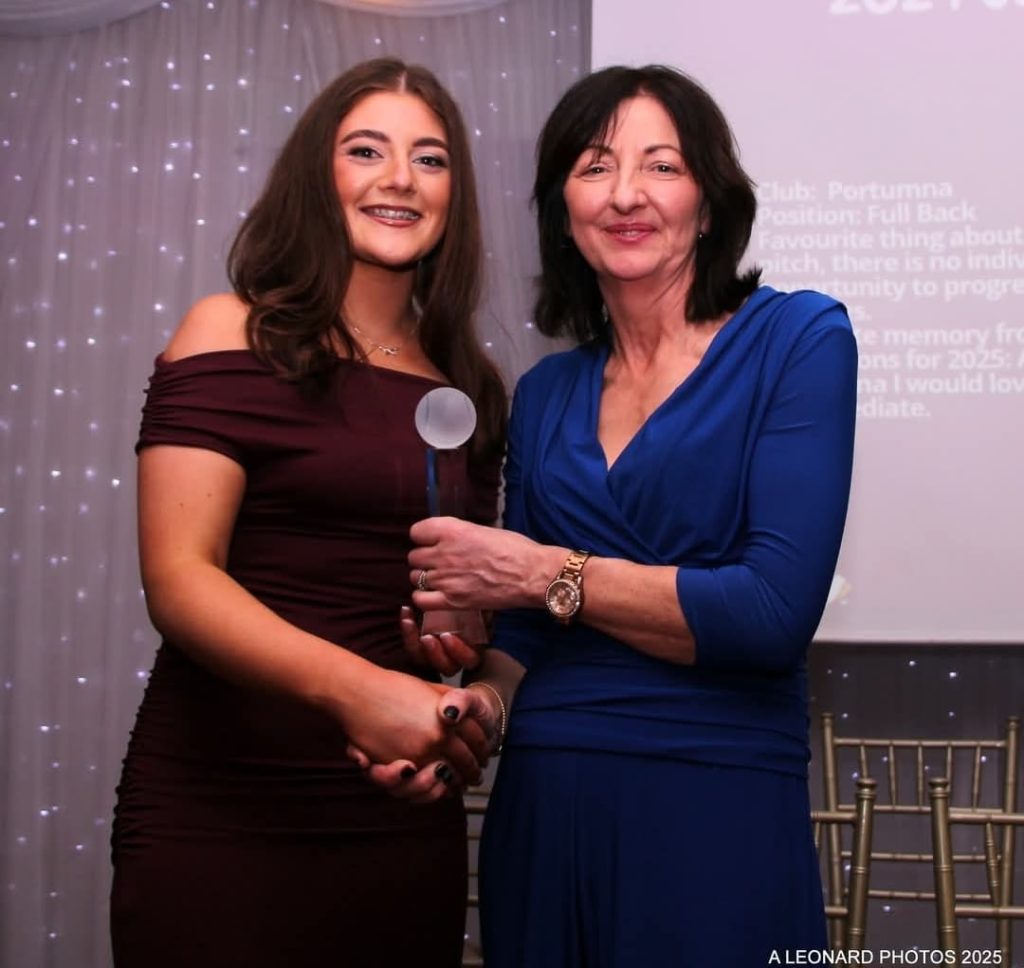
(214, 323)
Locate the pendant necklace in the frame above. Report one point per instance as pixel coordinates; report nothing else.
(388, 349)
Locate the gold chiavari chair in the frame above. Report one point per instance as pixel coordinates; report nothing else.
(983, 774)
(847, 913)
(1000, 830)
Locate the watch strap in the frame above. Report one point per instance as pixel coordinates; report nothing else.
(573, 567)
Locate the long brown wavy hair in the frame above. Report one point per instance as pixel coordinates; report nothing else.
(291, 260)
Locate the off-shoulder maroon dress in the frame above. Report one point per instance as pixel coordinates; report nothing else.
(242, 835)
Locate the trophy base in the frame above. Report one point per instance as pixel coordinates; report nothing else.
(468, 624)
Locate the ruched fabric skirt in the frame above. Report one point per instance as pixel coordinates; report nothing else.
(263, 873)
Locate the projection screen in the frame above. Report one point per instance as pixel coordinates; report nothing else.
(886, 138)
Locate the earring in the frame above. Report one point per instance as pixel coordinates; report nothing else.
(604, 314)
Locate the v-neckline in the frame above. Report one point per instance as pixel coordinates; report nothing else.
(604, 352)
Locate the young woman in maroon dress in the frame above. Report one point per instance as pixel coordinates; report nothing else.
(279, 472)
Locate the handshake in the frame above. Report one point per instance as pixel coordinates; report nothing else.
(468, 723)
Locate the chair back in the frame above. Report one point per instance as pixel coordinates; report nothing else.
(1000, 832)
(983, 774)
(848, 913)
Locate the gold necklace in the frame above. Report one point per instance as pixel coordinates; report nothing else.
(386, 348)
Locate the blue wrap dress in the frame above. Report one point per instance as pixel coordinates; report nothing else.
(647, 813)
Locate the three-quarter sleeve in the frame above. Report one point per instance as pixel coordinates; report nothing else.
(761, 611)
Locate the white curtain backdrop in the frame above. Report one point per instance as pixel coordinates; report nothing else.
(29, 17)
(415, 8)
(127, 154)
(64, 16)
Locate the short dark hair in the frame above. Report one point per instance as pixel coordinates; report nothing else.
(291, 260)
(569, 302)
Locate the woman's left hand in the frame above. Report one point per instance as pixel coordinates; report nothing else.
(472, 566)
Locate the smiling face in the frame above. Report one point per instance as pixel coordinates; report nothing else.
(392, 175)
(634, 209)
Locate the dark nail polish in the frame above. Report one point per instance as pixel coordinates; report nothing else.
(443, 772)
(451, 712)
(408, 772)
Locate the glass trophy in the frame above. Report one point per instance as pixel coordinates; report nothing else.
(446, 419)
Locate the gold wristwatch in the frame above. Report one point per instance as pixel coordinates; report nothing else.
(564, 597)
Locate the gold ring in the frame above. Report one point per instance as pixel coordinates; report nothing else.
(421, 582)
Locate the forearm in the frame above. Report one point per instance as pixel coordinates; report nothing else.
(500, 671)
(219, 624)
(469, 566)
(496, 680)
(386, 714)
(637, 604)
(634, 603)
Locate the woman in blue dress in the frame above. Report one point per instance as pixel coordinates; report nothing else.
(676, 489)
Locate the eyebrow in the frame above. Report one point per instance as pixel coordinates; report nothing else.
(649, 150)
(381, 136)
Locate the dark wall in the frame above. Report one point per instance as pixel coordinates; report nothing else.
(932, 691)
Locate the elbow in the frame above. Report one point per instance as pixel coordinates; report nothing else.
(768, 647)
(743, 622)
(782, 643)
(681, 649)
(171, 595)
(783, 653)
(158, 607)
(757, 656)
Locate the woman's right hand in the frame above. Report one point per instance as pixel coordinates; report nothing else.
(403, 779)
(395, 717)
(448, 653)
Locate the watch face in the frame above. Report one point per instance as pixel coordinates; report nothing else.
(563, 598)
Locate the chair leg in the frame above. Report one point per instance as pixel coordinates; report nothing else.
(1004, 927)
(942, 850)
(838, 930)
(860, 869)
